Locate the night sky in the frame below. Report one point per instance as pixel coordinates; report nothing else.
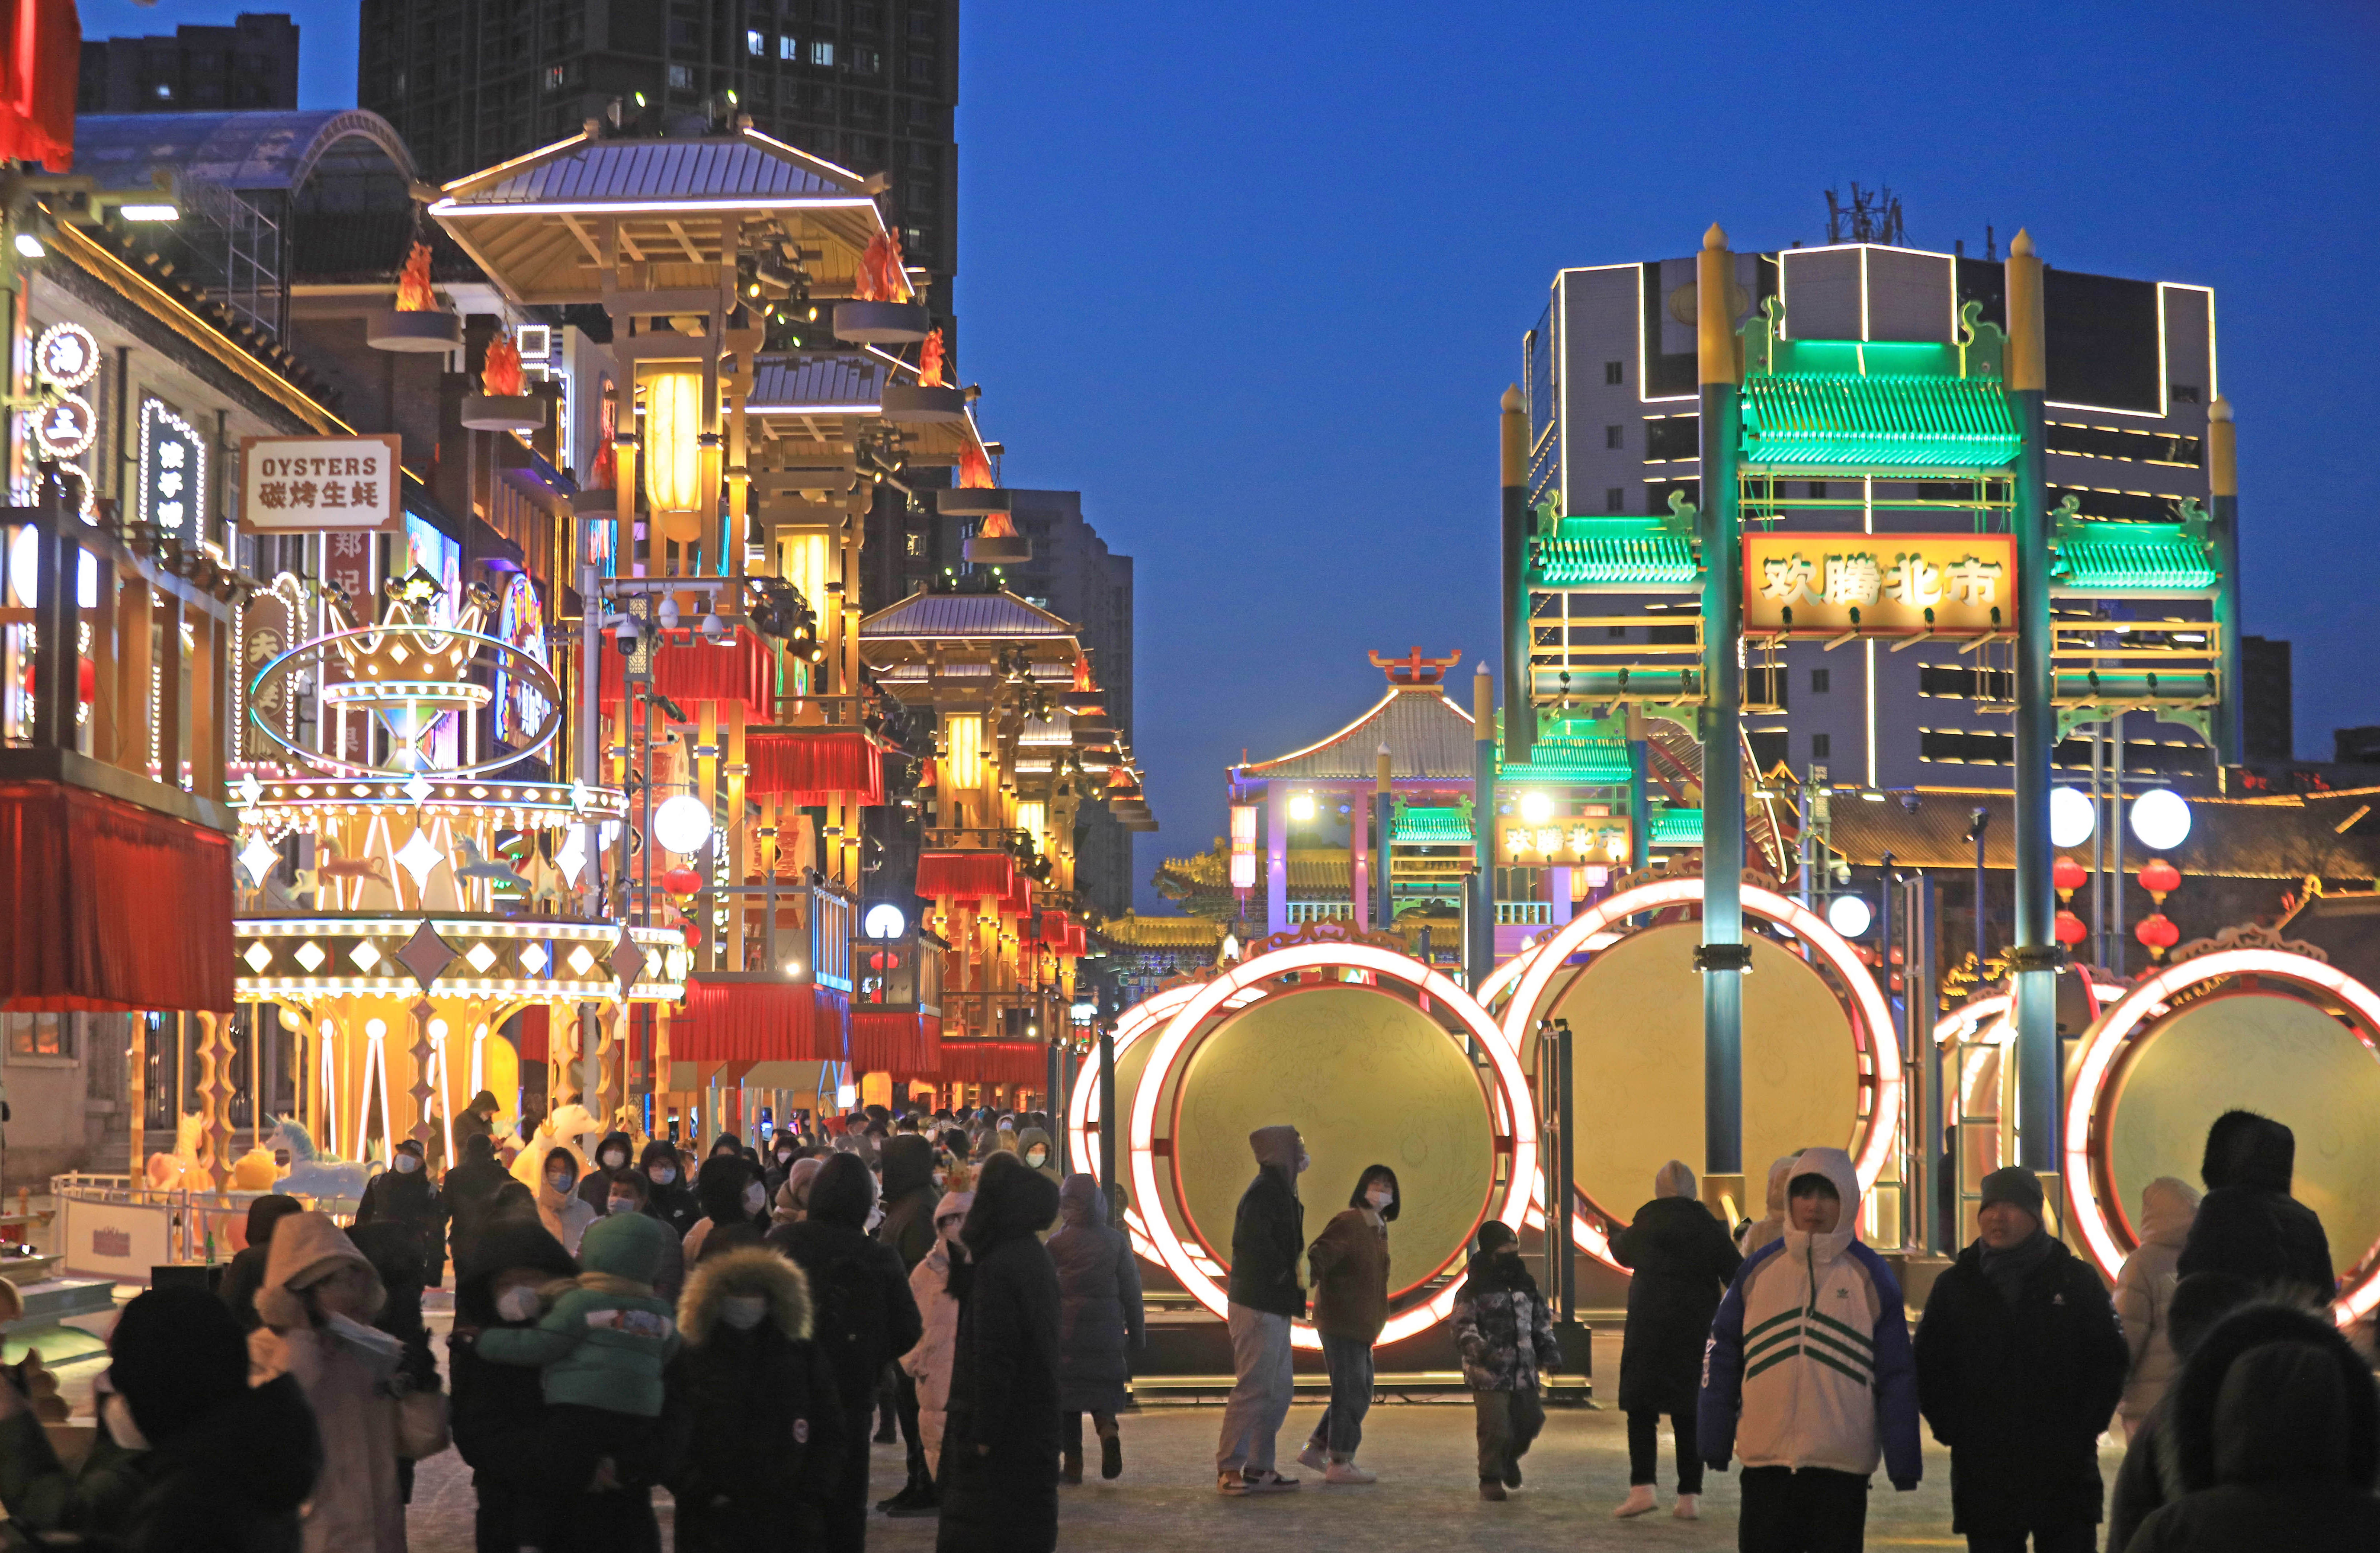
(1252, 277)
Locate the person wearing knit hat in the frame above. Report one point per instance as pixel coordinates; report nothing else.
(1504, 1330)
(2019, 1365)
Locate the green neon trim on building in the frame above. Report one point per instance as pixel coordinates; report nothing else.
(1433, 827)
(1571, 762)
(1613, 552)
(1810, 421)
(1678, 828)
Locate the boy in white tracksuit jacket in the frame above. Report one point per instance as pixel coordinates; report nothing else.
(1808, 1373)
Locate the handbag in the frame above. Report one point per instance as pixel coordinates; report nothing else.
(422, 1427)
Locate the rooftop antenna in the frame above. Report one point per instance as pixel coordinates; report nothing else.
(1991, 242)
(1871, 216)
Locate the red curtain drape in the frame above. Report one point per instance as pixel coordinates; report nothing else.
(689, 668)
(1054, 928)
(966, 875)
(529, 1037)
(72, 863)
(39, 72)
(904, 1045)
(759, 1022)
(814, 767)
(980, 1061)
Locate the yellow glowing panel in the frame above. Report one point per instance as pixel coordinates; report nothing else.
(1033, 818)
(963, 763)
(672, 438)
(803, 559)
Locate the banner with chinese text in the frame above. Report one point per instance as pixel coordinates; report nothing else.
(1879, 585)
(308, 484)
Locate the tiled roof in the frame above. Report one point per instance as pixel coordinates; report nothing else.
(1133, 931)
(961, 616)
(1676, 828)
(731, 168)
(2230, 838)
(1602, 762)
(1886, 420)
(1434, 827)
(1613, 552)
(2117, 557)
(1429, 736)
(814, 380)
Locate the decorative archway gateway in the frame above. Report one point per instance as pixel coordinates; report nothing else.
(1421, 1106)
(2152, 1072)
(1875, 1051)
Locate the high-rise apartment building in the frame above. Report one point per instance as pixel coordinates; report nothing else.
(868, 84)
(1611, 372)
(251, 64)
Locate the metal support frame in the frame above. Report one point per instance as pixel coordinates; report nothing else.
(1920, 1012)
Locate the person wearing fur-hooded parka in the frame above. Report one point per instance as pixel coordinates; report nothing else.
(755, 1420)
(999, 1485)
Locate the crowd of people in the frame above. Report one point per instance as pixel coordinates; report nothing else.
(739, 1329)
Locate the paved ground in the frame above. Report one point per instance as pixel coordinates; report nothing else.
(1426, 1500)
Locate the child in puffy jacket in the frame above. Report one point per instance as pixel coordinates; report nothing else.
(1505, 1331)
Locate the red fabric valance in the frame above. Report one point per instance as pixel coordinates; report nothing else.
(966, 875)
(760, 1021)
(1024, 1063)
(1054, 928)
(1079, 942)
(904, 1045)
(1019, 899)
(814, 767)
(73, 864)
(40, 62)
(689, 668)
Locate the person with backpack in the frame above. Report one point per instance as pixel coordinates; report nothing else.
(865, 1316)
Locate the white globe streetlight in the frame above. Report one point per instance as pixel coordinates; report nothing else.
(2073, 817)
(1537, 808)
(883, 921)
(682, 823)
(2161, 818)
(1850, 914)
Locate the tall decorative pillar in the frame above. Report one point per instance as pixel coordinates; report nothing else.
(1723, 953)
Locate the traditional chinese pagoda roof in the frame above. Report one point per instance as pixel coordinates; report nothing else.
(1315, 874)
(1673, 827)
(1435, 825)
(964, 617)
(1614, 552)
(1131, 931)
(1428, 737)
(1816, 406)
(816, 382)
(2132, 558)
(1599, 762)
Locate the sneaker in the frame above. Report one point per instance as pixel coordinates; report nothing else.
(1267, 1481)
(1491, 1490)
(1689, 1507)
(1111, 1456)
(1513, 1475)
(912, 1502)
(1347, 1472)
(1638, 1502)
(1070, 1467)
(1313, 1458)
(1230, 1483)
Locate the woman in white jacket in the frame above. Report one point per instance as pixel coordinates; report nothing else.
(929, 1363)
(2144, 1289)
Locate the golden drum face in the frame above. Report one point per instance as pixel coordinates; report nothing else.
(1366, 1078)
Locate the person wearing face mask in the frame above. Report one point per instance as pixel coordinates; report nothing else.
(403, 1194)
(188, 1454)
(908, 1227)
(1681, 1260)
(669, 1199)
(1505, 1331)
(1099, 1315)
(755, 1418)
(612, 1159)
(1268, 1239)
(793, 1199)
(929, 1363)
(2021, 1363)
(731, 1195)
(566, 1214)
(319, 1294)
(1807, 1372)
(1033, 1147)
(628, 1194)
(499, 1410)
(1350, 1258)
(470, 1190)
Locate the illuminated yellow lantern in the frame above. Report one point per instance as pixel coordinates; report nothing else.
(673, 461)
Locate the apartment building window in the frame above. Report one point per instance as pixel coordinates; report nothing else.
(40, 1035)
(755, 44)
(1615, 632)
(866, 61)
(2182, 393)
(552, 80)
(1821, 681)
(921, 68)
(821, 53)
(1675, 436)
(921, 24)
(1615, 499)
(681, 79)
(1615, 436)
(684, 34)
(1611, 374)
(1822, 746)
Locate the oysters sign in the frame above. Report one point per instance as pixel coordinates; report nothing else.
(308, 484)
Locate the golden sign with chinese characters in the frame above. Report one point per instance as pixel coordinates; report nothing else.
(1879, 585)
(1574, 841)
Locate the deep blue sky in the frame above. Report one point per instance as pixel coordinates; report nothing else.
(1252, 277)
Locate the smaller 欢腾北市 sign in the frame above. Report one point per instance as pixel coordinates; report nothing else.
(305, 484)
(1879, 585)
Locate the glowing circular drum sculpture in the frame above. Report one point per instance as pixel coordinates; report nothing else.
(1821, 1063)
(2262, 1030)
(1363, 1054)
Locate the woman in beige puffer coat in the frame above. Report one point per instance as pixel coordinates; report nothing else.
(930, 1363)
(2144, 1289)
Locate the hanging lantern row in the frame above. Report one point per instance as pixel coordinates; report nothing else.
(2156, 931)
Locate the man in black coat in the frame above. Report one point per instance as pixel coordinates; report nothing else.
(1000, 1449)
(405, 1193)
(1682, 1259)
(672, 1199)
(1268, 1238)
(908, 1229)
(498, 1411)
(866, 1318)
(611, 1160)
(471, 1191)
(2020, 1365)
(2249, 1225)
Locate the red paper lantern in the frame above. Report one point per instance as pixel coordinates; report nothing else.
(682, 882)
(693, 935)
(2068, 875)
(2157, 931)
(2070, 930)
(2160, 879)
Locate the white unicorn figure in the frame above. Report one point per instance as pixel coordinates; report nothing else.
(312, 1174)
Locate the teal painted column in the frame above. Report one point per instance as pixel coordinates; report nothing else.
(2034, 959)
(1723, 955)
(2223, 511)
(1479, 947)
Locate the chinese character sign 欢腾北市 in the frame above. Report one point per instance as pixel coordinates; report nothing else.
(1886, 585)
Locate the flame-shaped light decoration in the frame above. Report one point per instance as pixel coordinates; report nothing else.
(501, 377)
(974, 469)
(413, 292)
(929, 362)
(882, 277)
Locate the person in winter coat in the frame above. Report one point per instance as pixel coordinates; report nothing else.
(1268, 1237)
(929, 1363)
(2249, 1225)
(319, 1292)
(792, 1203)
(1350, 1258)
(469, 1191)
(403, 1194)
(395, 1252)
(2150, 1475)
(1683, 1260)
(498, 1411)
(1505, 1332)
(1033, 1147)
(2276, 1433)
(629, 1194)
(670, 1200)
(865, 1318)
(755, 1415)
(729, 1192)
(1099, 1316)
(476, 1120)
(2019, 1365)
(2144, 1290)
(190, 1458)
(246, 1274)
(1807, 1372)
(998, 1481)
(611, 1157)
(566, 1214)
(1753, 1234)
(908, 1228)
